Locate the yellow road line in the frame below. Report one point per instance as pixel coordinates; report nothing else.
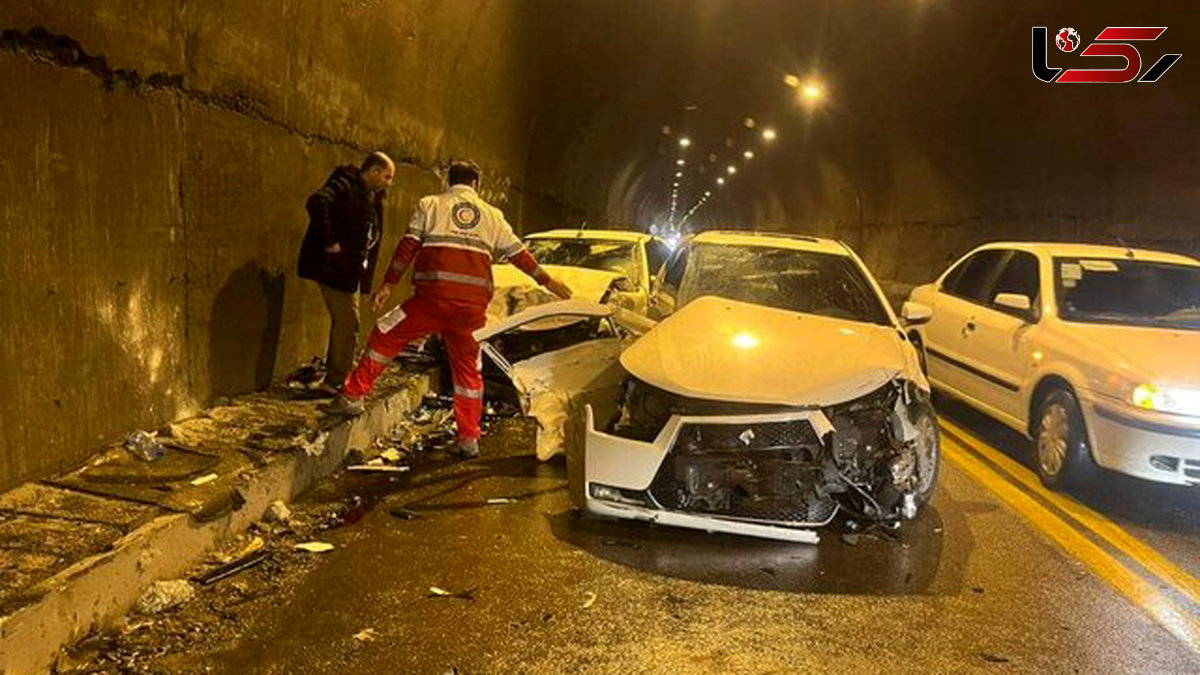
(1178, 621)
(1154, 562)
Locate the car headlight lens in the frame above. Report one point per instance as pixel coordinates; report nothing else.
(1177, 400)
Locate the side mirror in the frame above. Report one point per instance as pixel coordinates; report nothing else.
(915, 314)
(623, 285)
(1016, 301)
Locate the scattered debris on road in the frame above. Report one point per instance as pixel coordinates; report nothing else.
(231, 568)
(204, 480)
(403, 513)
(435, 592)
(366, 635)
(143, 446)
(589, 599)
(164, 595)
(314, 547)
(501, 500)
(278, 512)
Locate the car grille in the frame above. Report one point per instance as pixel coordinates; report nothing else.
(1191, 468)
(762, 471)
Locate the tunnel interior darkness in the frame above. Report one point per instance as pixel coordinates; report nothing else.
(154, 153)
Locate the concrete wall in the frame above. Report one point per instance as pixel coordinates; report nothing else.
(156, 159)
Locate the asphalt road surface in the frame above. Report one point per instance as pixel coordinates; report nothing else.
(998, 575)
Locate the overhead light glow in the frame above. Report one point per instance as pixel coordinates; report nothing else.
(720, 181)
(812, 91)
(791, 81)
(769, 134)
(750, 122)
(731, 169)
(685, 142)
(749, 154)
(679, 174)
(680, 162)
(745, 341)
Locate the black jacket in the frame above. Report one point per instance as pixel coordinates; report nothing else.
(345, 212)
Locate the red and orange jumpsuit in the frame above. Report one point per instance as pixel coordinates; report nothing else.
(451, 242)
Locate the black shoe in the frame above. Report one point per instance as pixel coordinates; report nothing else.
(342, 406)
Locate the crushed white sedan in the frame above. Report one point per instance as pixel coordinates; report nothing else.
(777, 389)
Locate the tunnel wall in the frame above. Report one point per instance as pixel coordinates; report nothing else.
(157, 156)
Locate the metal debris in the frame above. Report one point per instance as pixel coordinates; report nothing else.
(377, 468)
(501, 500)
(204, 480)
(164, 595)
(403, 513)
(231, 568)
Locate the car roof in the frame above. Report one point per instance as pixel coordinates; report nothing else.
(1070, 250)
(771, 239)
(615, 235)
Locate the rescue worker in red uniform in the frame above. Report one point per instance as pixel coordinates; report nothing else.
(451, 242)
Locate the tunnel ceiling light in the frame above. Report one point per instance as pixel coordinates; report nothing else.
(680, 162)
(769, 134)
(720, 180)
(685, 142)
(731, 169)
(749, 154)
(792, 81)
(679, 174)
(812, 92)
(707, 193)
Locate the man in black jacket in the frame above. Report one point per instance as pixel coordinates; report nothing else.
(340, 249)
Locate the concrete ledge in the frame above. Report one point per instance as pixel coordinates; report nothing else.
(99, 589)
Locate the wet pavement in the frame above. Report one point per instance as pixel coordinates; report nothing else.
(971, 586)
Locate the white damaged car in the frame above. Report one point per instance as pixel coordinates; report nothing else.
(777, 389)
(601, 266)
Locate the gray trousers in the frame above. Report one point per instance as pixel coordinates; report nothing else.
(343, 333)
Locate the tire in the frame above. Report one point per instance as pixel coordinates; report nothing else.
(1061, 452)
(930, 458)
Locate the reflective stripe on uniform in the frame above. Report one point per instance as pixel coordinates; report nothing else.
(465, 242)
(376, 356)
(467, 393)
(451, 276)
(511, 250)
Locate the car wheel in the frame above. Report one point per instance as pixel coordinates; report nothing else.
(929, 452)
(1062, 455)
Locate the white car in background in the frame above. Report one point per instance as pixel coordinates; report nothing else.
(1093, 351)
(777, 388)
(598, 265)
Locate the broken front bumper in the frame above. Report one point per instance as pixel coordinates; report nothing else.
(619, 476)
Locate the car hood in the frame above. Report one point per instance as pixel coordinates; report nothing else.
(1158, 354)
(725, 350)
(585, 284)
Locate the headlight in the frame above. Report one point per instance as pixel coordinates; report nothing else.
(1177, 400)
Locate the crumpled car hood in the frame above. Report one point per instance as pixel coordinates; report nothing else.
(585, 284)
(724, 350)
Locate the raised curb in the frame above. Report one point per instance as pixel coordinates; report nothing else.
(103, 587)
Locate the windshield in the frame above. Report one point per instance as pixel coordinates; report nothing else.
(594, 254)
(1115, 290)
(798, 281)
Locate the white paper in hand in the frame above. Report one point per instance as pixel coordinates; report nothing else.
(388, 321)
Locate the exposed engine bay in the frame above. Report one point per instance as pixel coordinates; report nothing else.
(876, 457)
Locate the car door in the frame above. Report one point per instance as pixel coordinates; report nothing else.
(949, 345)
(1000, 345)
